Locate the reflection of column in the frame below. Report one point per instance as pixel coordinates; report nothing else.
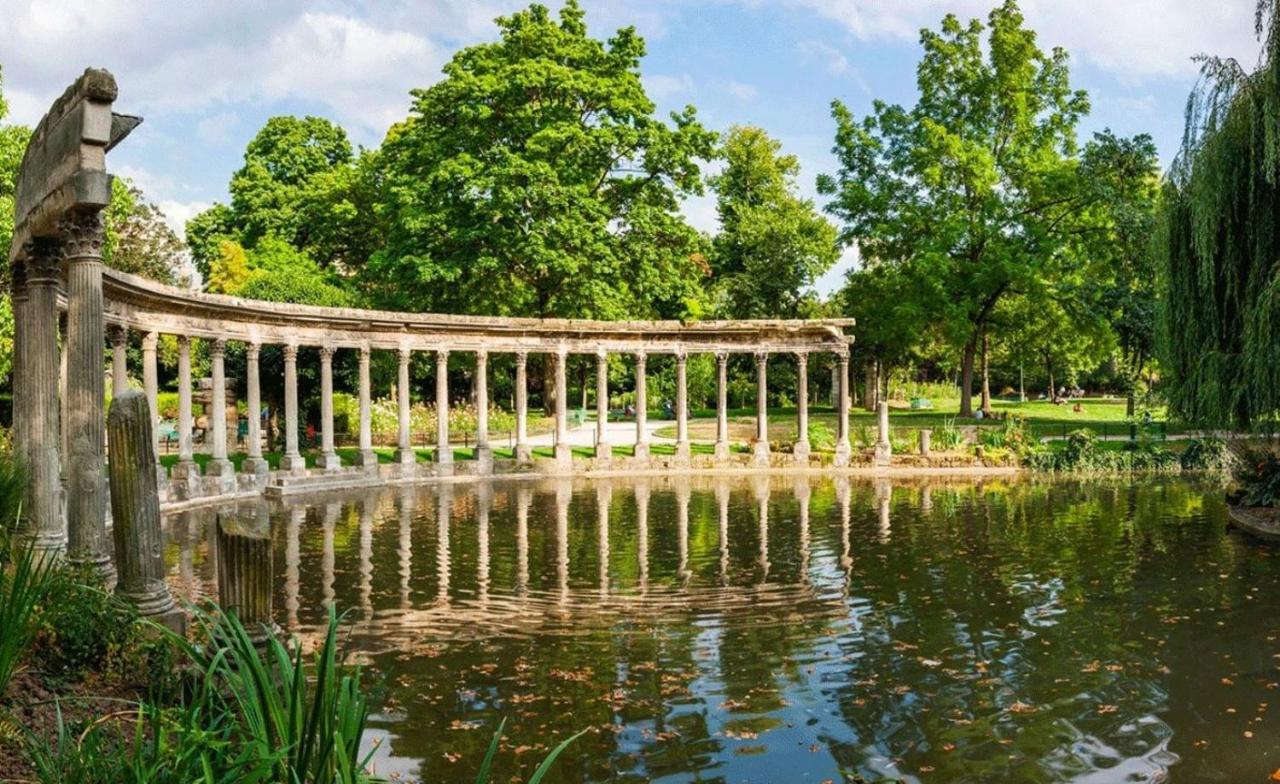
(366, 457)
(444, 453)
(642, 405)
(119, 359)
(604, 494)
(842, 500)
(292, 461)
(254, 464)
(682, 527)
(722, 506)
(926, 499)
(563, 452)
(523, 453)
(884, 492)
(642, 532)
(186, 467)
(760, 454)
(328, 454)
(405, 549)
(292, 561)
(219, 466)
(563, 495)
(682, 406)
(484, 502)
(842, 409)
(802, 493)
(762, 518)
(404, 450)
(484, 455)
(722, 405)
(366, 556)
(801, 448)
(522, 540)
(603, 450)
(444, 508)
(245, 574)
(82, 239)
(40, 392)
(327, 557)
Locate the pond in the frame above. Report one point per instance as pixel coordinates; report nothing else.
(787, 629)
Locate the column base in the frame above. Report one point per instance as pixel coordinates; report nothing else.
(484, 459)
(801, 451)
(884, 453)
(443, 455)
(49, 546)
(185, 471)
(760, 454)
(294, 464)
(564, 456)
(221, 474)
(99, 565)
(722, 450)
(642, 451)
(843, 453)
(524, 453)
(329, 461)
(604, 450)
(255, 467)
(367, 458)
(683, 452)
(406, 456)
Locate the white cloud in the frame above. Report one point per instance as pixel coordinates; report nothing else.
(663, 87)
(828, 55)
(1134, 39)
(216, 128)
(743, 92)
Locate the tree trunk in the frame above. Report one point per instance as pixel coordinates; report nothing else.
(966, 376)
(1048, 366)
(1022, 387)
(986, 374)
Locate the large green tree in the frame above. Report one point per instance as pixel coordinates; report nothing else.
(772, 244)
(975, 185)
(535, 179)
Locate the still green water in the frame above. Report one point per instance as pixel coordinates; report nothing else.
(792, 630)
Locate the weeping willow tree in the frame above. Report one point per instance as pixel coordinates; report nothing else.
(1218, 245)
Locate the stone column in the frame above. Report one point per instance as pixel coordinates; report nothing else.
(444, 453)
(523, 453)
(293, 461)
(760, 454)
(801, 449)
(21, 334)
(366, 457)
(219, 466)
(151, 388)
(682, 406)
(41, 364)
(254, 464)
(842, 409)
(328, 455)
(404, 450)
(484, 453)
(82, 238)
(135, 507)
(603, 449)
(884, 449)
(722, 405)
(835, 384)
(642, 405)
(186, 467)
(564, 452)
(119, 359)
(926, 441)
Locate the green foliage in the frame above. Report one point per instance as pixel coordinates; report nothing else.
(971, 192)
(1257, 478)
(821, 436)
(80, 627)
(1012, 434)
(1218, 248)
(772, 244)
(280, 272)
(24, 584)
(534, 179)
(1208, 454)
(138, 240)
(1083, 454)
(948, 437)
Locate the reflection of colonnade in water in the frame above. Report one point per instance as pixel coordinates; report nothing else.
(404, 505)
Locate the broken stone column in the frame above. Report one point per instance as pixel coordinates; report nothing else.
(135, 511)
(884, 449)
(926, 441)
(244, 571)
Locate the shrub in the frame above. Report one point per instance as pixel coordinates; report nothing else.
(947, 437)
(821, 437)
(80, 627)
(1257, 478)
(23, 585)
(1208, 454)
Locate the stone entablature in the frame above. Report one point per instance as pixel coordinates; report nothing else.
(147, 306)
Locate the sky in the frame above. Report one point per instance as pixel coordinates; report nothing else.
(206, 75)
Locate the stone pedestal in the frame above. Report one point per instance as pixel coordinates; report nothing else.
(256, 467)
(926, 441)
(884, 449)
(245, 572)
(801, 452)
(564, 457)
(221, 475)
(135, 511)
